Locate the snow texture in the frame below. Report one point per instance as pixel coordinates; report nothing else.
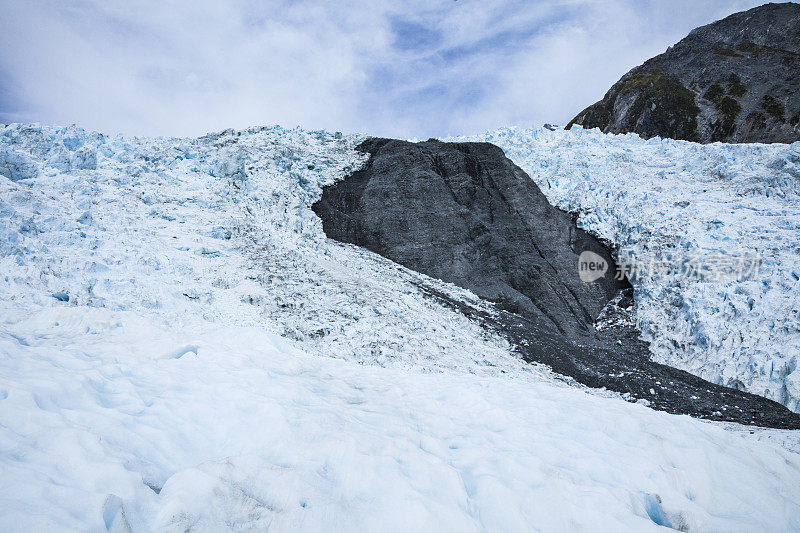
(659, 198)
(182, 349)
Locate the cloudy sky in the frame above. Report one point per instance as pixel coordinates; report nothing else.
(405, 69)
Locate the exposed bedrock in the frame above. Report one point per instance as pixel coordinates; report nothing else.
(465, 214)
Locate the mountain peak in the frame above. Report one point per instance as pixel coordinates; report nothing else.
(734, 80)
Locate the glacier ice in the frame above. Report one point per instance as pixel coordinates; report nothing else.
(220, 228)
(15, 165)
(181, 348)
(652, 198)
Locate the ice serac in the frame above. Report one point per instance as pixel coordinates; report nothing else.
(464, 213)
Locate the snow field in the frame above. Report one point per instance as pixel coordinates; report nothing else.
(112, 422)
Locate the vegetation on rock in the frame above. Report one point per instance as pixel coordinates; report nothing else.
(735, 80)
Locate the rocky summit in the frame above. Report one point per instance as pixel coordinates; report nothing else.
(735, 80)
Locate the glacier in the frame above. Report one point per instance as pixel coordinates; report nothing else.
(181, 348)
(657, 198)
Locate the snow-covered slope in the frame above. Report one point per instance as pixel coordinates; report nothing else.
(107, 419)
(144, 384)
(658, 198)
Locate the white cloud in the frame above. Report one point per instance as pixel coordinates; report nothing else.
(404, 69)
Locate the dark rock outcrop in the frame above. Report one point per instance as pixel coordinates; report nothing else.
(736, 80)
(464, 213)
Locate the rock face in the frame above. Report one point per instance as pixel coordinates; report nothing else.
(464, 213)
(736, 80)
